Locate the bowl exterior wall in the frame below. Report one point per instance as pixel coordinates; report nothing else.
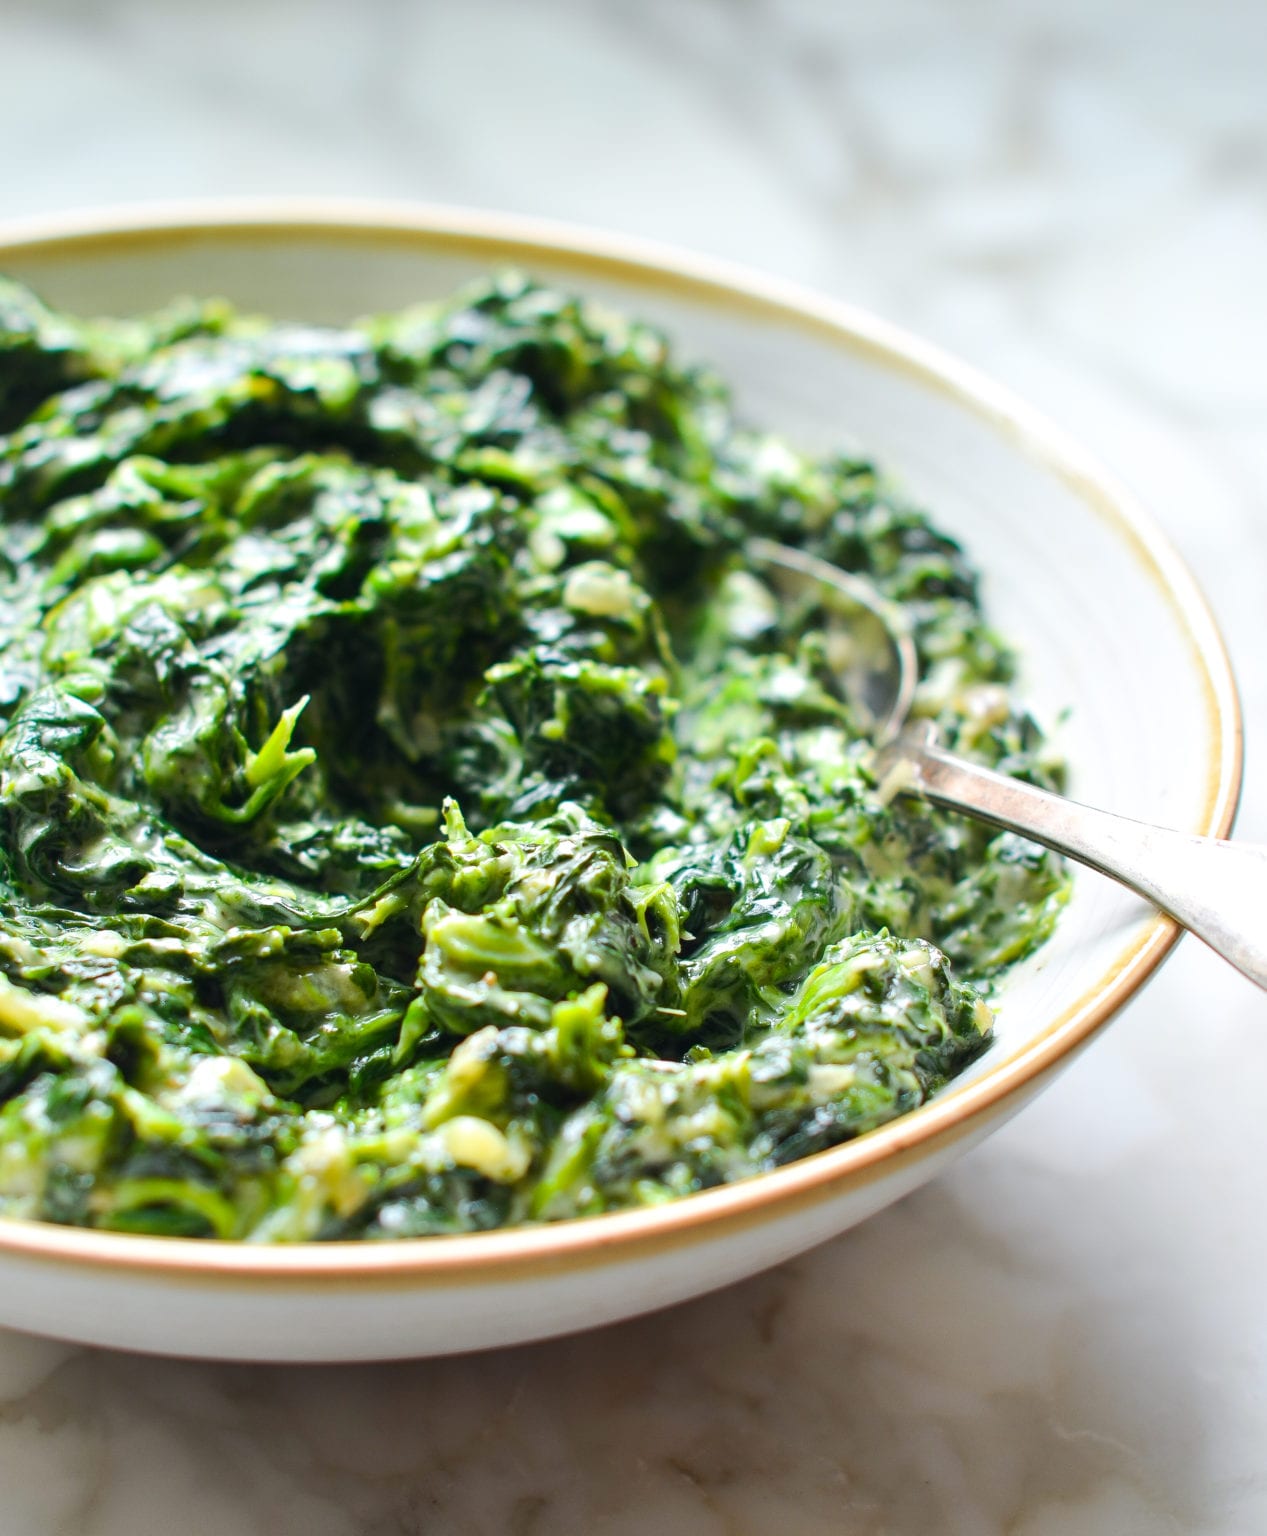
(305, 1320)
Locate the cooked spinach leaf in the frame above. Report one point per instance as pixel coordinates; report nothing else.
(415, 817)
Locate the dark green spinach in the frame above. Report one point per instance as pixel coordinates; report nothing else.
(415, 818)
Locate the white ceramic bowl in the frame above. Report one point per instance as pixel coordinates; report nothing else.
(1109, 624)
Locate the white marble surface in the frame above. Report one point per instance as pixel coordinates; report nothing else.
(1066, 1336)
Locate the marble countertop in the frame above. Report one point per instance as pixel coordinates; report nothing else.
(1065, 1336)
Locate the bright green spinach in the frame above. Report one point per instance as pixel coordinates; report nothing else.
(276, 601)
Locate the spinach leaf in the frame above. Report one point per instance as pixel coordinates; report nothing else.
(415, 817)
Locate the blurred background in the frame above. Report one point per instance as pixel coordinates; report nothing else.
(1063, 1337)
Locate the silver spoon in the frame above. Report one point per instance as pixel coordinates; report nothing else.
(1213, 888)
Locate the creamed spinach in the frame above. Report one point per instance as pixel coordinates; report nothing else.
(415, 814)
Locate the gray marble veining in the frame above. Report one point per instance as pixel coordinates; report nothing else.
(1065, 1336)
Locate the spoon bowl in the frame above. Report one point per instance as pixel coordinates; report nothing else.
(870, 641)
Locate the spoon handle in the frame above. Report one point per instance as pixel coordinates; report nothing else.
(1215, 889)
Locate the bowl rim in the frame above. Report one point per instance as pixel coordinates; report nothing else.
(587, 1243)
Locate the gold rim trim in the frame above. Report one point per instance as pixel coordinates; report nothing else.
(499, 1257)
